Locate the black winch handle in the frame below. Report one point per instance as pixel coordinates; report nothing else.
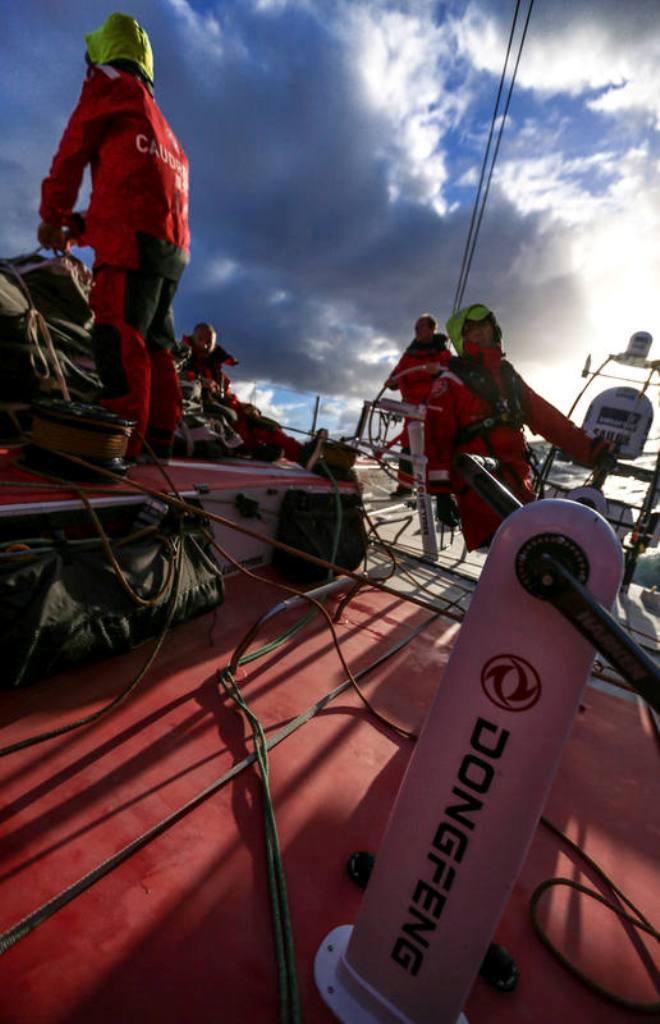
(477, 472)
(557, 585)
(551, 581)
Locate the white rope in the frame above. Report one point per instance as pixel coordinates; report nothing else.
(36, 327)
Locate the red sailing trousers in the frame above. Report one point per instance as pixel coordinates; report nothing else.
(132, 333)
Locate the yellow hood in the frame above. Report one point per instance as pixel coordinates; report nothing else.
(121, 38)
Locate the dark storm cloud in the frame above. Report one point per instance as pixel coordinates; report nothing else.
(287, 184)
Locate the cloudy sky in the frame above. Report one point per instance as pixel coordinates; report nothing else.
(335, 147)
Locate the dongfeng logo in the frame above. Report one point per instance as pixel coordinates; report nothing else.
(510, 682)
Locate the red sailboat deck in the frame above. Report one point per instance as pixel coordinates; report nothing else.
(181, 930)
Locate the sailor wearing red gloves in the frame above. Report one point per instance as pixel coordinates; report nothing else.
(137, 223)
(479, 405)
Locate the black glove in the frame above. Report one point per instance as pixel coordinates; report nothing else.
(446, 511)
(603, 455)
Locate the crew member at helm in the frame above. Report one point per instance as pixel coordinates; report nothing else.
(137, 223)
(479, 405)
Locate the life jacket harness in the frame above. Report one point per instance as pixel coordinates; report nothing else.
(506, 408)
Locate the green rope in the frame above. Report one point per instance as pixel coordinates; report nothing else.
(272, 645)
(283, 932)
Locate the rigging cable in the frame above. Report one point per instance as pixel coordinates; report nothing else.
(479, 202)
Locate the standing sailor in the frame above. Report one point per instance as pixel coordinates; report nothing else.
(413, 377)
(137, 223)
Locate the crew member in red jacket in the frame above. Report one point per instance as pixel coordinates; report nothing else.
(137, 223)
(263, 438)
(204, 363)
(412, 377)
(479, 405)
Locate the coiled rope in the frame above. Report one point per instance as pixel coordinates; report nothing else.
(37, 327)
(73, 437)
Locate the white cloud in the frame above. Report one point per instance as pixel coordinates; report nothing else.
(218, 271)
(565, 188)
(340, 416)
(383, 351)
(573, 50)
(275, 6)
(469, 179)
(584, 285)
(641, 95)
(400, 59)
(619, 261)
(284, 405)
(204, 36)
(579, 58)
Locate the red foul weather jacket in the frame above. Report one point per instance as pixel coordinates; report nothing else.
(460, 420)
(139, 172)
(210, 368)
(415, 385)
